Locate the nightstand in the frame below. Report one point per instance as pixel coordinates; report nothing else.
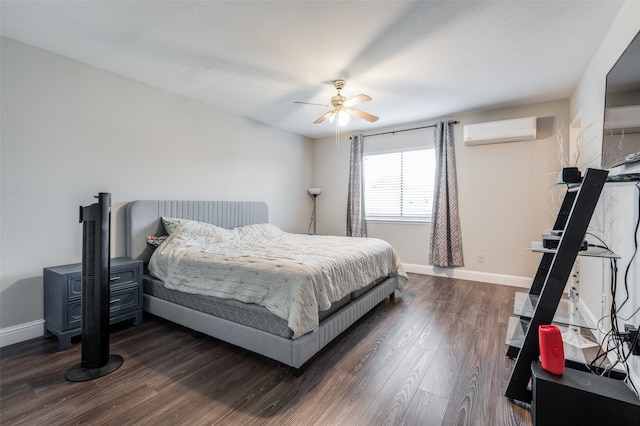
(62, 298)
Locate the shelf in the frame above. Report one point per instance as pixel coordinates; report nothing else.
(536, 247)
(624, 178)
(566, 313)
(620, 178)
(517, 330)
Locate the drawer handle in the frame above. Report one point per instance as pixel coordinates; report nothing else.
(114, 301)
(114, 278)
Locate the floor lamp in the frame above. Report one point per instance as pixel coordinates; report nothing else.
(314, 192)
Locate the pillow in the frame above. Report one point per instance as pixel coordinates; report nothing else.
(172, 224)
(259, 230)
(156, 241)
(194, 229)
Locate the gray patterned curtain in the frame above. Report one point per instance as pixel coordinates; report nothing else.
(445, 248)
(356, 223)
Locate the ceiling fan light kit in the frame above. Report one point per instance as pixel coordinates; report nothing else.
(343, 117)
(342, 107)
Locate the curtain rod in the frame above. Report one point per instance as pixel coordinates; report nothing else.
(405, 130)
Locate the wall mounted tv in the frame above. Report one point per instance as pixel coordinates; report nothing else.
(621, 136)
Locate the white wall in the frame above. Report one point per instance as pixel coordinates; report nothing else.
(617, 212)
(507, 197)
(70, 130)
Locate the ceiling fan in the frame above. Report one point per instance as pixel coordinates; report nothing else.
(342, 105)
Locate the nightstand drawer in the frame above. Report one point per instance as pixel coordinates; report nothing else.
(74, 286)
(122, 276)
(120, 300)
(123, 299)
(74, 314)
(117, 278)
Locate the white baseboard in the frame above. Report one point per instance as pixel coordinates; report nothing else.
(465, 274)
(21, 332)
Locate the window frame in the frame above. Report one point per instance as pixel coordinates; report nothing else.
(409, 219)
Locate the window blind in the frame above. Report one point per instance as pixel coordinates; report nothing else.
(399, 185)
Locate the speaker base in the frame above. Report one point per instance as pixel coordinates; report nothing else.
(80, 374)
(581, 398)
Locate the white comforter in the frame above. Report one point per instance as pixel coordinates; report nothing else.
(293, 276)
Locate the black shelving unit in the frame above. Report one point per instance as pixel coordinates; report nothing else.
(547, 258)
(552, 275)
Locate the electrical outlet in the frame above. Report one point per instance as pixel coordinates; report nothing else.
(480, 258)
(632, 338)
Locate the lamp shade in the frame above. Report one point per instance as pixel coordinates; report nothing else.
(314, 191)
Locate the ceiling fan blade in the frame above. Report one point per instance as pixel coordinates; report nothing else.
(357, 100)
(361, 114)
(327, 115)
(309, 103)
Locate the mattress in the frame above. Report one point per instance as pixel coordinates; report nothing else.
(249, 314)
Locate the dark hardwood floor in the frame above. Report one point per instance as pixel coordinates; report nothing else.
(434, 355)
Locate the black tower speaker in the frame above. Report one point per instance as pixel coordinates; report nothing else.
(96, 361)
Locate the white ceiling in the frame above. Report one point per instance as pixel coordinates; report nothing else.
(417, 59)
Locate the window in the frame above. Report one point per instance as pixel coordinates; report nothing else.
(399, 185)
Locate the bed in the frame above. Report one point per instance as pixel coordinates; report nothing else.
(255, 324)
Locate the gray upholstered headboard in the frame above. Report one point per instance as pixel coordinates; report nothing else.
(143, 218)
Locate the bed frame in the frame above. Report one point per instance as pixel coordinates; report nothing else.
(143, 218)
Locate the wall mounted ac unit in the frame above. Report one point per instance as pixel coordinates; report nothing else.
(519, 129)
(622, 119)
